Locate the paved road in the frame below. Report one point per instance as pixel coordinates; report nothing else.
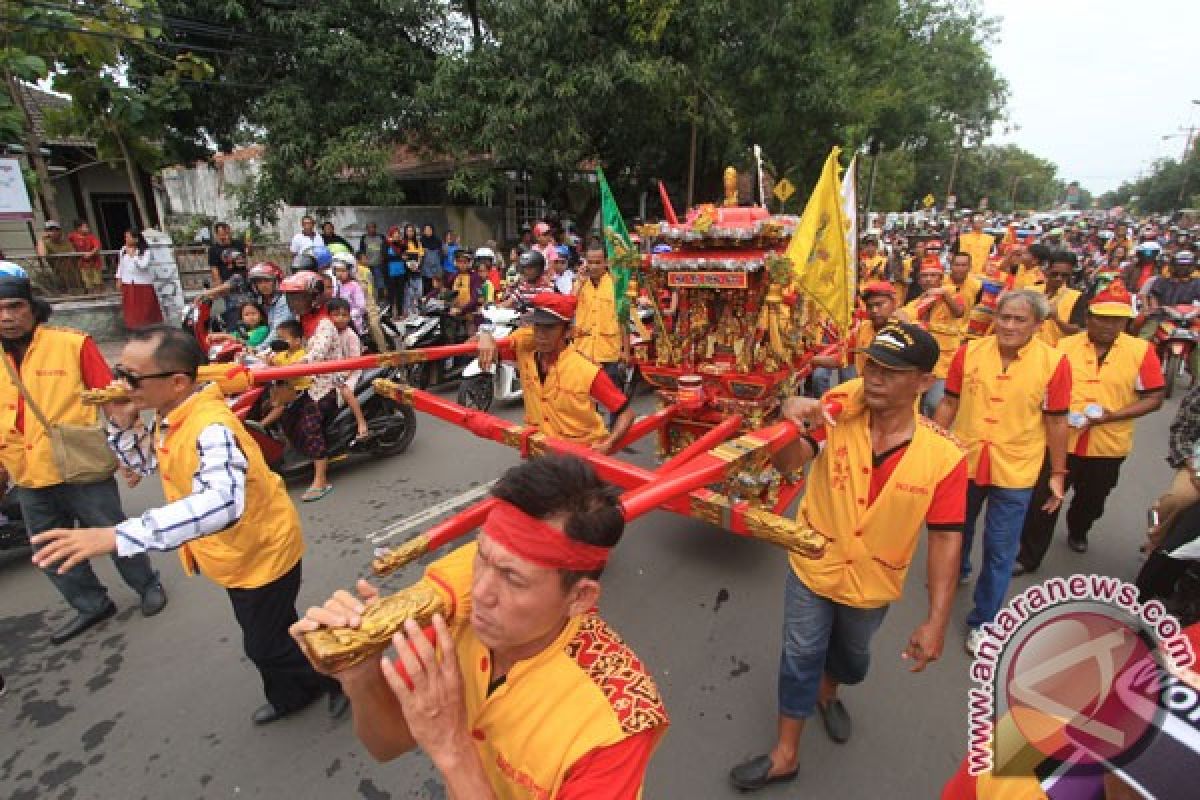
(160, 707)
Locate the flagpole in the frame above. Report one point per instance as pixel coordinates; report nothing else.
(762, 197)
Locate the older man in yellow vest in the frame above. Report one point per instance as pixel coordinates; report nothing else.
(880, 471)
(1007, 397)
(227, 513)
(1115, 378)
(560, 386)
(529, 694)
(47, 369)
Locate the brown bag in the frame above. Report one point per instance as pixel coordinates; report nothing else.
(80, 452)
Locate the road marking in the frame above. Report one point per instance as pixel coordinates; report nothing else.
(421, 518)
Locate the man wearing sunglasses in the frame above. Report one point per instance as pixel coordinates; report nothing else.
(55, 365)
(227, 513)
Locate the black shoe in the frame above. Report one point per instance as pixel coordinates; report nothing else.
(836, 719)
(81, 623)
(266, 714)
(755, 774)
(154, 600)
(1078, 545)
(339, 704)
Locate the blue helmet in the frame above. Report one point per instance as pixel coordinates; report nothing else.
(10, 270)
(323, 256)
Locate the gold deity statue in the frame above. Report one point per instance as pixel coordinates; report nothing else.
(731, 188)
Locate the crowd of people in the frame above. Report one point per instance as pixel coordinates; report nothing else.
(987, 413)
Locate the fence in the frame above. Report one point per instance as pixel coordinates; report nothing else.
(60, 276)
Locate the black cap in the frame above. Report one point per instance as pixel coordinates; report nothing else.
(901, 345)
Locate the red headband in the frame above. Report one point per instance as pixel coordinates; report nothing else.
(538, 543)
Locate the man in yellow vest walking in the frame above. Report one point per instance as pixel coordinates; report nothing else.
(599, 336)
(880, 472)
(1068, 309)
(941, 310)
(977, 244)
(1115, 378)
(227, 513)
(560, 386)
(1007, 397)
(529, 693)
(54, 365)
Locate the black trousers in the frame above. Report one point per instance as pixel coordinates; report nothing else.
(265, 614)
(1092, 478)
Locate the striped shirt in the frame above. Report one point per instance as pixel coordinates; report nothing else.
(218, 497)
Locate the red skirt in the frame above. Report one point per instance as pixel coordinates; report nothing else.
(139, 303)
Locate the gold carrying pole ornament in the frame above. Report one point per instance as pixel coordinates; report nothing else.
(337, 649)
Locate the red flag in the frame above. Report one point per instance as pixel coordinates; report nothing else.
(668, 209)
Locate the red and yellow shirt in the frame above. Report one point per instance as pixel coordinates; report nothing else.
(872, 507)
(580, 719)
(1000, 409)
(1128, 368)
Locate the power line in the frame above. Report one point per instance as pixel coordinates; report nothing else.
(123, 37)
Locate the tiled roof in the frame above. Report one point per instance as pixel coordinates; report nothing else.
(38, 102)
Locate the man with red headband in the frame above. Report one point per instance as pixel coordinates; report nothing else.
(561, 386)
(939, 309)
(529, 693)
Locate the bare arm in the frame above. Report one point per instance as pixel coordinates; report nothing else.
(378, 719)
(927, 641)
(621, 426)
(1150, 401)
(947, 410)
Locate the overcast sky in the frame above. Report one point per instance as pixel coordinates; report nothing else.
(1095, 84)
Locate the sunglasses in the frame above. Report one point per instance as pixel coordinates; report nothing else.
(134, 380)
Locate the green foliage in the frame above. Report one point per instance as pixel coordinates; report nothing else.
(1170, 185)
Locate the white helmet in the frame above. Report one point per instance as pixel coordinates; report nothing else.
(485, 252)
(344, 258)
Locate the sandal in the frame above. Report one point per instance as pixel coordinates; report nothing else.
(361, 440)
(315, 493)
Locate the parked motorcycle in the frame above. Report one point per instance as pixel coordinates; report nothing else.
(433, 327)
(1175, 339)
(480, 388)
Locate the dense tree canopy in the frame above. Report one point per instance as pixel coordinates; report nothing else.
(1170, 184)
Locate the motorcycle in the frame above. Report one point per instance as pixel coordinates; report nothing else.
(1171, 573)
(432, 327)
(1175, 339)
(480, 388)
(13, 535)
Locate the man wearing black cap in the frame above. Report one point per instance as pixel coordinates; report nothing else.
(47, 369)
(880, 471)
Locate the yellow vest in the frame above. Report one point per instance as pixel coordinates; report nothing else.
(51, 372)
(1001, 411)
(266, 542)
(978, 246)
(597, 329)
(862, 337)
(1062, 302)
(872, 269)
(944, 327)
(1112, 384)
(561, 407)
(870, 547)
(584, 691)
(1029, 278)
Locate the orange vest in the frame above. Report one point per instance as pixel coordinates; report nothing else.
(1000, 411)
(562, 406)
(266, 542)
(944, 327)
(51, 372)
(584, 691)
(1062, 302)
(1112, 385)
(597, 330)
(872, 546)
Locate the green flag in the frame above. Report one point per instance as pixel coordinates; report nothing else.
(617, 246)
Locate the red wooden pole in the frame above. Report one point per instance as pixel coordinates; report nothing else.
(717, 434)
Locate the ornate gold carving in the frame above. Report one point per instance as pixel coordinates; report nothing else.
(401, 556)
(109, 394)
(393, 390)
(336, 649)
(763, 525)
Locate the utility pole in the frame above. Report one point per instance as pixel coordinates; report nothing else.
(954, 164)
(1185, 164)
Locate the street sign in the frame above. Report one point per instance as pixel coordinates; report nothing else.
(14, 199)
(951, 202)
(784, 189)
(928, 201)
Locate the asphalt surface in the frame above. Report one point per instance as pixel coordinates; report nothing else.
(152, 708)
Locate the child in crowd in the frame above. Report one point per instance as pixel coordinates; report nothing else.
(284, 392)
(339, 313)
(346, 287)
(251, 330)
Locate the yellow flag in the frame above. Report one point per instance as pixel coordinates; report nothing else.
(821, 259)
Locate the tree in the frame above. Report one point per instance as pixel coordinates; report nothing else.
(1170, 185)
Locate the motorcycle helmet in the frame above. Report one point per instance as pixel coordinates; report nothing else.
(1185, 258)
(346, 258)
(322, 256)
(338, 247)
(1148, 250)
(303, 282)
(531, 259)
(304, 263)
(8, 269)
(485, 252)
(265, 270)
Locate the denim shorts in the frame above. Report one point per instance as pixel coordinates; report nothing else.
(821, 636)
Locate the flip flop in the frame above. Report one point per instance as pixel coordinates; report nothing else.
(361, 440)
(313, 493)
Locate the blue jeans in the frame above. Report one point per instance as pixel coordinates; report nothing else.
(91, 505)
(1001, 541)
(821, 636)
(825, 378)
(933, 398)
